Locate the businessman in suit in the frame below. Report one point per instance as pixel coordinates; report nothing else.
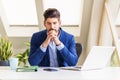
(52, 47)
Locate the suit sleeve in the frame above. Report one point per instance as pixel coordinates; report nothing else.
(36, 54)
(69, 53)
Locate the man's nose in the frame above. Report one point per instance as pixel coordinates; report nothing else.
(52, 26)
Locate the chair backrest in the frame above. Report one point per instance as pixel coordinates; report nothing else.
(78, 49)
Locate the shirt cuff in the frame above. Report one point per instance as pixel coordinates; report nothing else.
(43, 49)
(61, 46)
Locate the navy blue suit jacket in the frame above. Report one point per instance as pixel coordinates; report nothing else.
(66, 57)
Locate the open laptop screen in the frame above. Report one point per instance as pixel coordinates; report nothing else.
(98, 57)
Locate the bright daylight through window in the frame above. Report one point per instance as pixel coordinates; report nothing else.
(70, 14)
(20, 12)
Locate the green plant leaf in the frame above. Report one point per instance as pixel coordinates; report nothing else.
(23, 57)
(5, 49)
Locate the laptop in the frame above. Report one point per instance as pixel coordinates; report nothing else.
(98, 58)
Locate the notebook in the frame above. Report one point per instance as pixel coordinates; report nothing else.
(98, 58)
(27, 69)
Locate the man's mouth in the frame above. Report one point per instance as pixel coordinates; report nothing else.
(52, 29)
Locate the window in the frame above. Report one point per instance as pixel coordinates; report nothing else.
(118, 19)
(20, 12)
(70, 13)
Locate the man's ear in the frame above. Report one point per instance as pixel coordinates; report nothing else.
(44, 24)
(60, 22)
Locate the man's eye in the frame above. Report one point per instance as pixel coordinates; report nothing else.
(48, 23)
(55, 23)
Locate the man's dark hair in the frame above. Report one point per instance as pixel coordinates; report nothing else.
(51, 13)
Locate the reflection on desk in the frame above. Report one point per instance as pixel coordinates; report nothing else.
(109, 73)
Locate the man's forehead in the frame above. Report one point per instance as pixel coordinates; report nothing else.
(52, 19)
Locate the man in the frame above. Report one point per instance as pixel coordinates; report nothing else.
(52, 47)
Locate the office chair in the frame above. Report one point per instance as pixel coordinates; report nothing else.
(78, 49)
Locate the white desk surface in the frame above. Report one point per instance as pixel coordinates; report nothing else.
(109, 73)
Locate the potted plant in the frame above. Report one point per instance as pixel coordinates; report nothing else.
(5, 51)
(23, 57)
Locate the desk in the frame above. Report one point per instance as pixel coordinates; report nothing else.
(109, 73)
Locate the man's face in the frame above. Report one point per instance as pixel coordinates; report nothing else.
(52, 23)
